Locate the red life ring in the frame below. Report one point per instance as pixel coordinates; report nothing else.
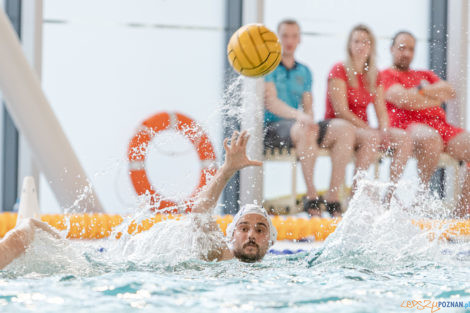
(138, 150)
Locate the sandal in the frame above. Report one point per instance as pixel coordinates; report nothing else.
(334, 208)
(313, 206)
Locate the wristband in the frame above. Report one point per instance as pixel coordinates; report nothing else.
(420, 89)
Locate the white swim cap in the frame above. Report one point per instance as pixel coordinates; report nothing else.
(252, 209)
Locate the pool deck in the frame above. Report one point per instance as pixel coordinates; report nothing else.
(296, 245)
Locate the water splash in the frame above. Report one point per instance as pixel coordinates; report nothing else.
(47, 255)
(231, 106)
(170, 242)
(377, 235)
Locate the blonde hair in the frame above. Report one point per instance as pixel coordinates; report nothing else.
(370, 67)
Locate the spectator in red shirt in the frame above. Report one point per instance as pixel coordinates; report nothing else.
(352, 86)
(414, 99)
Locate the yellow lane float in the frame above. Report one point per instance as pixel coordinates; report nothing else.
(98, 226)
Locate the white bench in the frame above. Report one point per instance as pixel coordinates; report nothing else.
(290, 203)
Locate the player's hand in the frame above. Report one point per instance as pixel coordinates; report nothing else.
(24, 232)
(36, 224)
(235, 152)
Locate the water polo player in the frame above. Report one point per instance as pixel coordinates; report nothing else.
(251, 233)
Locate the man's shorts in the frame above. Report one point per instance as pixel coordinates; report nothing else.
(277, 134)
(322, 129)
(446, 130)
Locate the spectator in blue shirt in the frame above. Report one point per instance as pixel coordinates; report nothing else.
(289, 122)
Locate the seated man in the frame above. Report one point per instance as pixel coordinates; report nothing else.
(287, 89)
(18, 239)
(414, 99)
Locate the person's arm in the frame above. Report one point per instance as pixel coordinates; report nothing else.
(337, 91)
(11, 247)
(235, 159)
(381, 109)
(18, 239)
(409, 99)
(441, 91)
(280, 108)
(382, 116)
(307, 103)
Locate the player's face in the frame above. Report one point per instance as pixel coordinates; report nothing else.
(403, 51)
(360, 45)
(289, 35)
(251, 238)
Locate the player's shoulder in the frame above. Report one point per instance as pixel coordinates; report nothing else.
(224, 254)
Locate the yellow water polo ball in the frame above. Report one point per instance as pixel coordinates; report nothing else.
(254, 50)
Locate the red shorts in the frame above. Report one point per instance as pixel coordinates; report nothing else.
(446, 130)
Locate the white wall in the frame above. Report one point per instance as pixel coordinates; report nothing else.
(108, 65)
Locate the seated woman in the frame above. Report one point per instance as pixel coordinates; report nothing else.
(352, 86)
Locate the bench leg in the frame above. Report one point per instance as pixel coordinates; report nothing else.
(294, 186)
(457, 181)
(377, 168)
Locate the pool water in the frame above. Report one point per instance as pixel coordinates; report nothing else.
(376, 261)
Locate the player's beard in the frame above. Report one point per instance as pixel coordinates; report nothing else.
(248, 258)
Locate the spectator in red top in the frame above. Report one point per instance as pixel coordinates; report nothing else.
(414, 101)
(352, 86)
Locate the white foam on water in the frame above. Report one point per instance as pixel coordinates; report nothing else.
(167, 243)
(47, 255)
(171, 242)
(375, 235)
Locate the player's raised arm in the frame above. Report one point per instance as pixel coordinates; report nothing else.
(235, 159)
